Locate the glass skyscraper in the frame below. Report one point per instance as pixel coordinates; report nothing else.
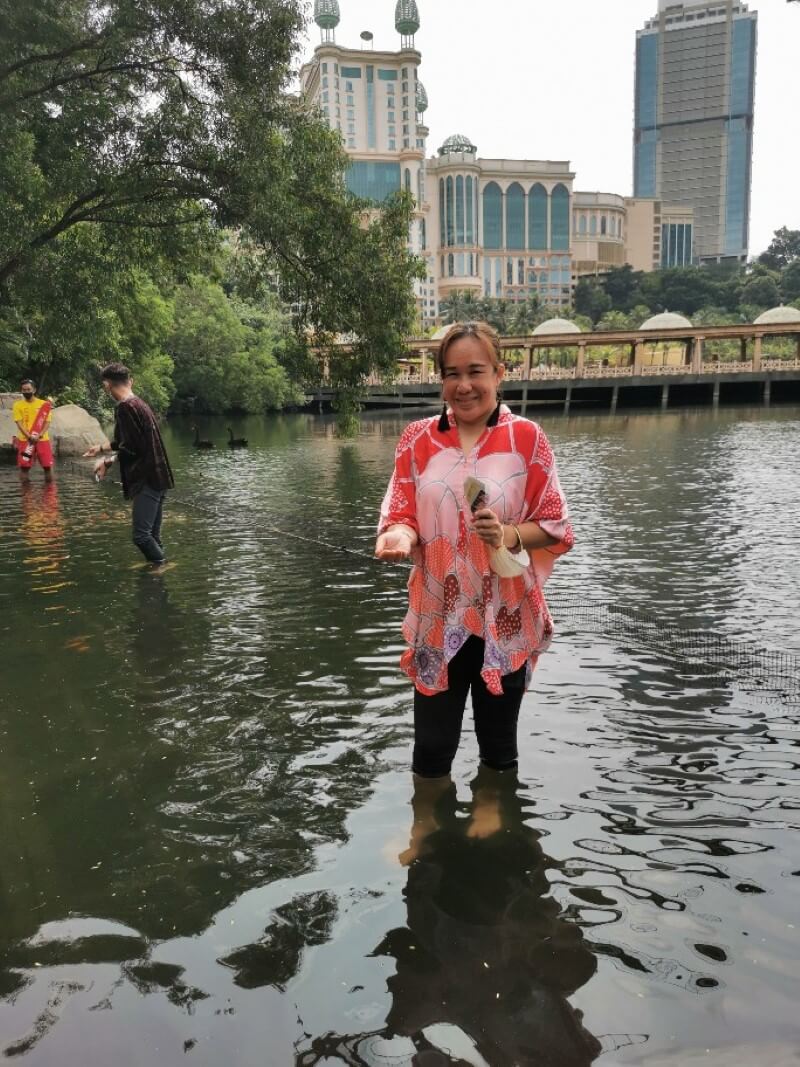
(693, 124)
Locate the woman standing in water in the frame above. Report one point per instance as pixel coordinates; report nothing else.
(467, 626)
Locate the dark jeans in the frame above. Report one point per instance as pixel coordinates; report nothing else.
(437, 719)
(148, 510)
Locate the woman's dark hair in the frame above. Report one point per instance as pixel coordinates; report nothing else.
(480, 330)
(117, 373)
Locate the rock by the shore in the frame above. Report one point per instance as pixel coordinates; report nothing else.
(72, 429)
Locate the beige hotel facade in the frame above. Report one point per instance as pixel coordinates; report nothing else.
(496, 227)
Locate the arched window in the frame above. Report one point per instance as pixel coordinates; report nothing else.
(407, 178)
(420, 186)
(537, 217)
(492, 216)
(559, 218)
(593, 225)
(423, 240)
(515, 216)
(470, 202)
(451, 230)
(582, 224)
(442, 238)
(603, 225)
(459, 210)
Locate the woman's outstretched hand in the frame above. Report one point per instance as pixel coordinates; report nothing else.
(395, 544)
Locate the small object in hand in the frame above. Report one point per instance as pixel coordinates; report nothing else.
(474, 493)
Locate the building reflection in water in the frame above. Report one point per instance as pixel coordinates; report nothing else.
(486, 961)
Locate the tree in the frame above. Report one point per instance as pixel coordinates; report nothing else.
(681, 289)
(225, 350)
(790, 282)
(623, 287)
(459, 306)
(158, 123)
(761, 291)
(591, 299)
(783, 249)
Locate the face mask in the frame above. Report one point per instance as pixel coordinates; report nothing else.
(28, 396)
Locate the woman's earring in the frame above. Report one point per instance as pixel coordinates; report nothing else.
(444, 422)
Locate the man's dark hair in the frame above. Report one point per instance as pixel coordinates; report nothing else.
(117, 373)
(27, 381)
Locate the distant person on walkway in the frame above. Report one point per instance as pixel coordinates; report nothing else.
(467, 627)
(143, 464)
(32, 416)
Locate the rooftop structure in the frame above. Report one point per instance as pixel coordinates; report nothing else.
(326, 16)
(556, 326)
(777, 315)
(667, 320)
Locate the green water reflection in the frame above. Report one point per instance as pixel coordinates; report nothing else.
(210, 848)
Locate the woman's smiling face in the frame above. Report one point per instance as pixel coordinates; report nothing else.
(470, 380)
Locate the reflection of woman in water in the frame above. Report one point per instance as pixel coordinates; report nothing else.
(485, 949)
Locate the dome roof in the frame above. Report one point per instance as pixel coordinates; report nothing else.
(326, 14)
(667, 320)
(556, 326)
(406, 17)
(776, 315)
(422, 98)
(457, 142)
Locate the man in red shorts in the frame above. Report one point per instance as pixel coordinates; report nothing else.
(32, 439)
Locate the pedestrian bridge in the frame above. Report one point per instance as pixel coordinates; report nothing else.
(665, 367)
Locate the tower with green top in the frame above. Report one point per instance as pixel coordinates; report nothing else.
(406, 21)
(326, 16)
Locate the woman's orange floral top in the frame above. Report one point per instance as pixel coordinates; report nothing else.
(452, 591)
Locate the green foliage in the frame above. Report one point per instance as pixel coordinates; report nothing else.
(761, 291)
(783, 249)
(591, 299)
(225, 350)
(623, 287)
(131, 135)
(790, 282)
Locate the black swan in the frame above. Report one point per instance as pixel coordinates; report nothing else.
(236, 442)
(198, 443)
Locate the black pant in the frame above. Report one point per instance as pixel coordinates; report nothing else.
(437, 719)
(148, 510)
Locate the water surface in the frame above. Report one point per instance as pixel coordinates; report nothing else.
(210, 850)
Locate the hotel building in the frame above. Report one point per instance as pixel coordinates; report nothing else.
(693, 125)
(503, 228)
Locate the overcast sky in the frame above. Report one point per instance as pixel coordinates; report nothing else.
(553, 79)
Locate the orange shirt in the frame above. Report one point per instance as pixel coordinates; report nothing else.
(25, 411)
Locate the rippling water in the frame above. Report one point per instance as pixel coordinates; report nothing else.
(210, 851)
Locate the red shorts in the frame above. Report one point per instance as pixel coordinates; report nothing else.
(42, 451)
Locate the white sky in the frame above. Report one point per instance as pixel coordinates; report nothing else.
(553, 79)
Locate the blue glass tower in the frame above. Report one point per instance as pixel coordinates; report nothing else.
(693, 124)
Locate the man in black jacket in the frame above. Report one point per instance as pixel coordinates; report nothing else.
(143, 464)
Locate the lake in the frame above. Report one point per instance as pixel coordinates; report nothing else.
(211, 850)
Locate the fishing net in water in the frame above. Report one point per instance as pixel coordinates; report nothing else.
(768, 673)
